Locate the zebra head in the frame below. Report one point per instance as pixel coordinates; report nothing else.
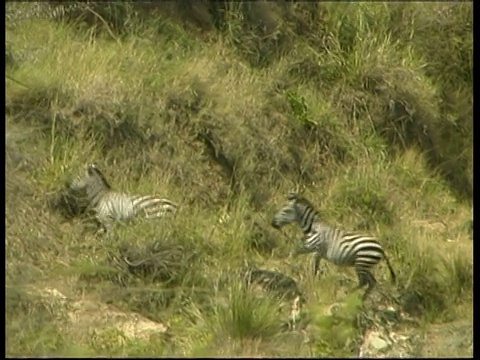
(298, 210)
(92, 177)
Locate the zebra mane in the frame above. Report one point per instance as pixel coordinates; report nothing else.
(303, 201)
(292, 196)
(94, 171)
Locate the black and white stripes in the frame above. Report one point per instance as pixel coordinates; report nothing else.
(340, 247)
(111, 206)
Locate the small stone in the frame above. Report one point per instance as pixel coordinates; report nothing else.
(378, 343)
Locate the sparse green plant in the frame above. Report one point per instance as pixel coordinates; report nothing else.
(336, 333)
(299, 107)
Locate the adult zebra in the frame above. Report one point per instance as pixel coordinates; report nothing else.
(111, 206)
(342, 248)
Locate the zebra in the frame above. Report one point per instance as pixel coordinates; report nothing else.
(342, 248)
(272, 281)
(284, 286)
(111, 206)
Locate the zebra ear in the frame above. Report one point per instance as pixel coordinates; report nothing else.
(292, 196)
(93, 170)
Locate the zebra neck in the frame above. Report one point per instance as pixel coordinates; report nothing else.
(307, 228)
(317, 227)
(310, 225)
(95, 195)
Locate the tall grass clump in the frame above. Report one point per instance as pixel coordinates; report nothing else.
(244, 316)
(234, 316)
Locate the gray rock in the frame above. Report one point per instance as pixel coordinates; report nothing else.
(378, 343)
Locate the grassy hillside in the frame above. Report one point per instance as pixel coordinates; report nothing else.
(366, 109)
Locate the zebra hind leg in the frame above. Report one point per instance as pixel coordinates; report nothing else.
(365, 278)
(371, 281)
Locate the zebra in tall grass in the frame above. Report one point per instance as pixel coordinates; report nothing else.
(342, 248)
(111, 206)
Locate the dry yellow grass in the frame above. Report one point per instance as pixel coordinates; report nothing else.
(227, 133)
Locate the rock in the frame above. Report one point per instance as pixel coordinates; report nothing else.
(373, 344)
(84, 316)
(98, 316)
(384, 336)
(378, 343)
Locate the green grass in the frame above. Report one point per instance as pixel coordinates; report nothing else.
(364, 108)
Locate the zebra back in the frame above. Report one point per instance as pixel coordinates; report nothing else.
(153, 206)
(272, 281)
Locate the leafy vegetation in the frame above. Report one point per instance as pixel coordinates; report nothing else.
(224, 107)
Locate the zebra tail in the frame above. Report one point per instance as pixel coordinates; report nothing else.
(392, 273)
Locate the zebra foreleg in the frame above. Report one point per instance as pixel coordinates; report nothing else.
(106, 225)
(300, 250)
(316, 269)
